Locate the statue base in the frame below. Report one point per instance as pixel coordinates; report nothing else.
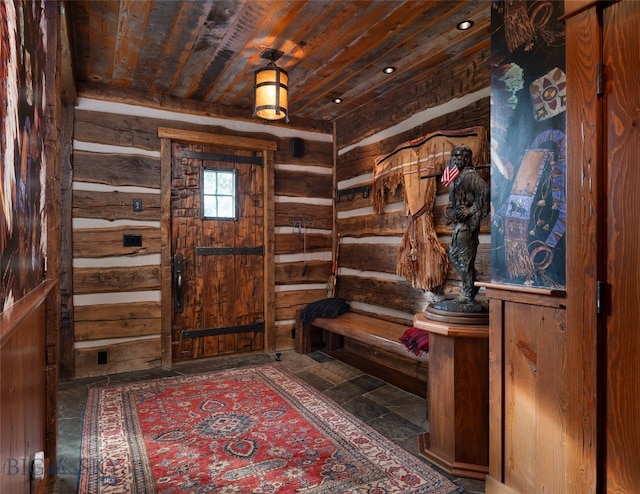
(459, 312)
(458, 402)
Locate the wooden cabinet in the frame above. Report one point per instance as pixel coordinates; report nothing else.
(527, 361)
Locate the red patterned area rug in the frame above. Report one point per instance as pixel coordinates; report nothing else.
(248, 430)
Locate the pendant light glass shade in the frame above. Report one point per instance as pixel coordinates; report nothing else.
(271, 93)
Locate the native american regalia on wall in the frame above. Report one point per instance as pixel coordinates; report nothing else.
(422, 259)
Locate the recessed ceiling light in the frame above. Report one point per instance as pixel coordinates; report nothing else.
(389, 70)
(464, 25)
(337, 100)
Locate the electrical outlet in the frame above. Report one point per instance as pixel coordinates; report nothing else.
(102, 357)
(129, 240)
(137, 205)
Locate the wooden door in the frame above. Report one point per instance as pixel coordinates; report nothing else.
(217, 251)
(621, 104)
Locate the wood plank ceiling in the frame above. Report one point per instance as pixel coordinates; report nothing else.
(208, 50)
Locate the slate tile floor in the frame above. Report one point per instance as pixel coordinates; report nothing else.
(398, 415)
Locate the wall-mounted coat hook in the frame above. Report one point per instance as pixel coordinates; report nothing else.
(300, 222)
(350, 193)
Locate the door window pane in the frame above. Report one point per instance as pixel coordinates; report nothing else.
(219, 194)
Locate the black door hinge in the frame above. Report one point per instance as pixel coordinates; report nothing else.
(599, 296)
(600, 79)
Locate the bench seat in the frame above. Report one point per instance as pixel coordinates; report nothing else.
(369, 343)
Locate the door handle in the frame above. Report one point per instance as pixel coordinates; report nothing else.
(177, 283)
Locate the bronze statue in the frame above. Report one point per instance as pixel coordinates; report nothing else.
(469, 199)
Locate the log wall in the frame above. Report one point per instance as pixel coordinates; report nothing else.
(369, 241)
(117, 290)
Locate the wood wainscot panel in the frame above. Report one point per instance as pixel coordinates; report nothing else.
(120, 357)
(321, 217)
(23, 387)
(121, 279)
(108, 242)
(528, 390)
(115, 205)
(287, 303)
(292, 273)
(116, 169)
(94, 322)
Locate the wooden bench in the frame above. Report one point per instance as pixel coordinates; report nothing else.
(368, 343)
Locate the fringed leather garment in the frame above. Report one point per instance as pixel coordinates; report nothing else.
(422, 259)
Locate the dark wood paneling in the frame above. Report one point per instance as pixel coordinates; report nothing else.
(121, 279)
(443, 81)
(301, 184)
(66, 362)
(369, 257)
(584, 166)
(316, 153)
(23, 402)
(93, 322)
(115, 169)
(393, 223)
(622, 147)
(115, 205)
(106, 242)
(121, 357)
(390, 294)
(358, 199)
(321, 216)
(287, 303)
(192, 107)
(294, 243)
(292, 273)
(361, 159)
(117, 130)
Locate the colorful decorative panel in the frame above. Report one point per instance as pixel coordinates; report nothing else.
(22, 169)
(528, 149)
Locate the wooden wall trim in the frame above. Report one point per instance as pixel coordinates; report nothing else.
(575, 7)
(11, 318)
(166, 309)
(270, 340)
(550, 292)
(584, 211)
(191, 107)
(217, 139)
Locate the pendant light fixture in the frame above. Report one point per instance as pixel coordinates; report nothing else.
(271, 90)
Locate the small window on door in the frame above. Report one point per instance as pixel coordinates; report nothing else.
(219, 196)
